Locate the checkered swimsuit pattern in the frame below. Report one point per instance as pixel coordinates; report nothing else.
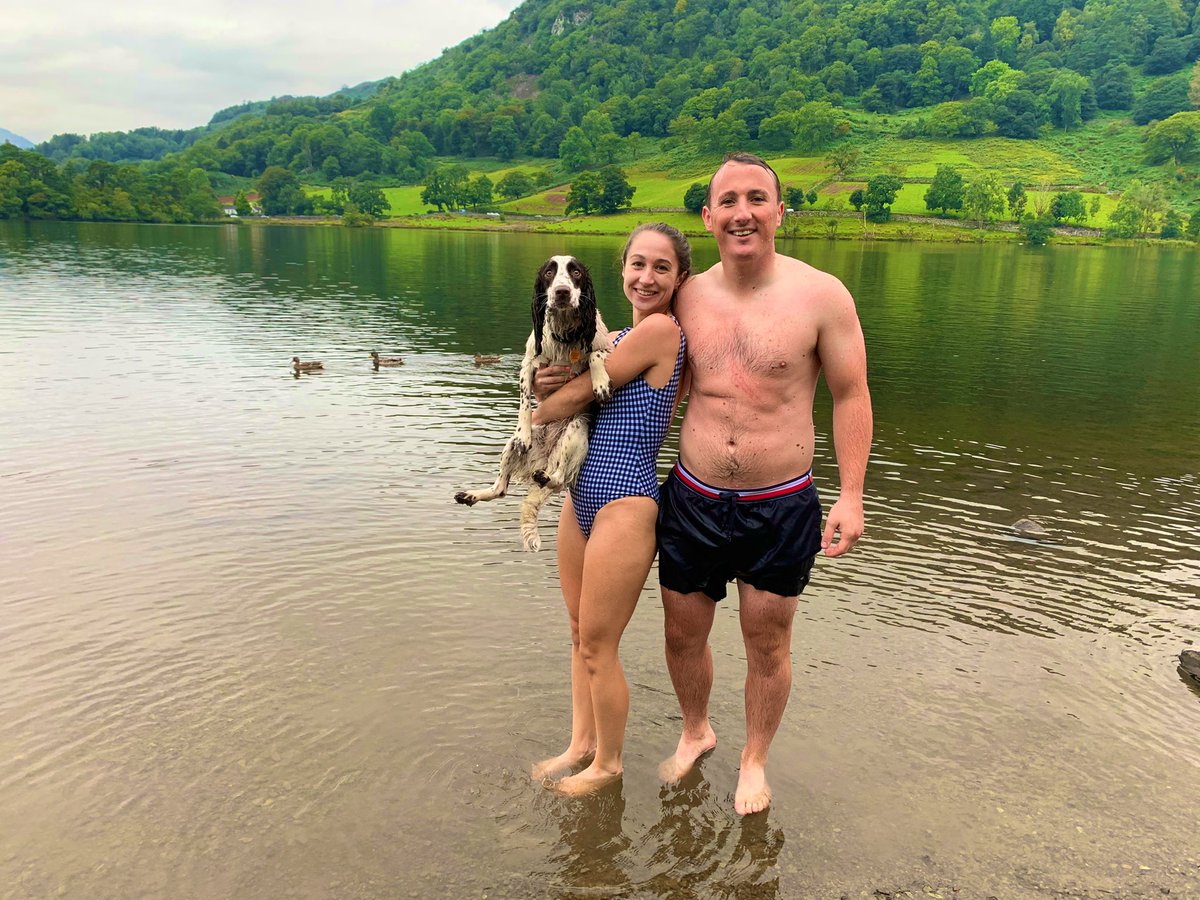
(624, 442)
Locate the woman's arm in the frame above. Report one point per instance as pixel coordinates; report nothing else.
(654, 341)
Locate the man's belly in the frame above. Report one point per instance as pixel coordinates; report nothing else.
(725, 452)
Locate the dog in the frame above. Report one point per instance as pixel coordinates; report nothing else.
(567, 331)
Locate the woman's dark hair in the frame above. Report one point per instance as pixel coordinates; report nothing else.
(683, 250)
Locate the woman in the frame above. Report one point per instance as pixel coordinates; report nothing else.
(606, 531)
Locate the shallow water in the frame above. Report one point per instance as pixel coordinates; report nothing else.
(250, 646)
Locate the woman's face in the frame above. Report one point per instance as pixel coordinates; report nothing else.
(651, 272)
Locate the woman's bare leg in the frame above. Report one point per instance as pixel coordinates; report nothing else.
(616, 563)
(571, 545)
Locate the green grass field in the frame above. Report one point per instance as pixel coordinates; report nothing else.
(1094, 158)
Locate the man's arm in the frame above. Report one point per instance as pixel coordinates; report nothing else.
(844, 359)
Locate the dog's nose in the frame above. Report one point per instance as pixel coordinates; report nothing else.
(562, 296)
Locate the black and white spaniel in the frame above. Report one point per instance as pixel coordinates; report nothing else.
(567, 331)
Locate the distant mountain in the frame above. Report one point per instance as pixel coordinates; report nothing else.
(7, 137)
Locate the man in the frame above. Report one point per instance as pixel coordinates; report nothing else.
(740, 503)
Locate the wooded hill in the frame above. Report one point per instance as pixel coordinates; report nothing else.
(577, 86)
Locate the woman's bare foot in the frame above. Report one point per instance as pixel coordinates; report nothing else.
(557, 766)
(753, 794)
(686, 753)
(589, 781)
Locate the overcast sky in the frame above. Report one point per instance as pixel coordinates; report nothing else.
(86, 66)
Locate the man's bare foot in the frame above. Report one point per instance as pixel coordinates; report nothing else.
(686, 753)
(589, 781)
(753, 794)
(557, 766)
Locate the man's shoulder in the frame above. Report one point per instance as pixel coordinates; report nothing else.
(814, 281)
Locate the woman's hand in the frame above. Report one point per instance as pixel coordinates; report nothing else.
(549, 379)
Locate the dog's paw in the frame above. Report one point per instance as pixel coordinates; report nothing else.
(530, 538)
(522, 441)
(602, 392)
(466, 498)
(541, 477)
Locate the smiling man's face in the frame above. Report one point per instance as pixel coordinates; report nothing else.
(745, 210)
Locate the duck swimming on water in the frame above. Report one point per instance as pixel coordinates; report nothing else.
(377, 360)
(312, 366)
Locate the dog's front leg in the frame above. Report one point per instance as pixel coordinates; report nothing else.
(601, 383)
(524, 433)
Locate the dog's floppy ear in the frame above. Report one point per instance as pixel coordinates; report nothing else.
(539, 308)
(587, 305)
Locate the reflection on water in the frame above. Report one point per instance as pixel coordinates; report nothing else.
(250, 646)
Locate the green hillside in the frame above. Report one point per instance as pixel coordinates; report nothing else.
(1095, 96)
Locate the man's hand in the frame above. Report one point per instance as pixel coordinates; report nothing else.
(549, 379)
(845, 520)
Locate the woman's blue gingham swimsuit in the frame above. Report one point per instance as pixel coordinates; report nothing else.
(624, 442)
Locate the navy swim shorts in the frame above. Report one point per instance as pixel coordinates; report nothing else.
(708, 536)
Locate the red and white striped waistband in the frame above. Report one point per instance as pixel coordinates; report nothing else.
(793, 486)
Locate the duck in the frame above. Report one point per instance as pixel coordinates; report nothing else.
(312, 366)
(1189, 661)
(486, 359)
(1028, 528)
(377, 360)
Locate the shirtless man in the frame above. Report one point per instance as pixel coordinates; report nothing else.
(740, 503)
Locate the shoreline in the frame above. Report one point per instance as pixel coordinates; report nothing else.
(823, 225)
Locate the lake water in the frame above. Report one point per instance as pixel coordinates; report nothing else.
(251, 648)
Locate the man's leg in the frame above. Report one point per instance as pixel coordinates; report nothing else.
(688, 619)
(766, 621)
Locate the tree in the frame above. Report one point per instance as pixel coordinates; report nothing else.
(615, 190)
(811, 197)
(1066, 98)
(515, 184)
(241, 205)
(1036, 230)
(1177, 138)
(1016, 201)
(1163, 98)
(881, 194)
(1172, 226)
(478, 191)
(1018, 115)
(503, 137)
(695, 196)
(816, 125)
(445, 187)
(794, 197)
(1114, 86)
(983, 197)
(279, 192)
(576, 150)
(1138, 210)
(381, 121)
(369, 200)
(605, 191)
(1194, 87)
(857, 198)
(1193, 228)
(1068, 205)
(777, 132)
(584, 193)
(843, 159)
(946, 191)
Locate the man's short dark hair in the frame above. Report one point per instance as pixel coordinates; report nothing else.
(748, 159)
